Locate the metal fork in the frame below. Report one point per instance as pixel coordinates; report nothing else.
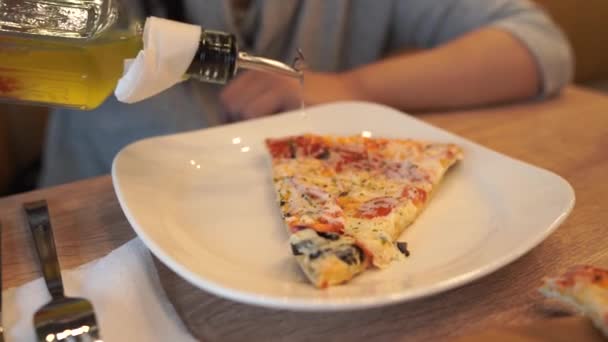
(63, 318)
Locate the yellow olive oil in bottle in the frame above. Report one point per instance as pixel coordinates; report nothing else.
(65, 52)
(80, 75)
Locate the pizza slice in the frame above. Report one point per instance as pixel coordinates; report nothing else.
(585, 288)
(346, 200)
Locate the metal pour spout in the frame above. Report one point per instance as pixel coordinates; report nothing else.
(246, 61)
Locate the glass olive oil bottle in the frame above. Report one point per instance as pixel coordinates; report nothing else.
(71, 52)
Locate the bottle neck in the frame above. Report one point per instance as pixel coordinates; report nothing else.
(216, 58)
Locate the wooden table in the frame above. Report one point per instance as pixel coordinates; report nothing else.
(568, 135)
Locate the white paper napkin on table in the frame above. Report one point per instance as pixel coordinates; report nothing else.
(169, 47)
(125, 290)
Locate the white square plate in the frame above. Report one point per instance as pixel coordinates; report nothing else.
(203, 202)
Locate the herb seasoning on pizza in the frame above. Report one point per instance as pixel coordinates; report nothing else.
(346, 200)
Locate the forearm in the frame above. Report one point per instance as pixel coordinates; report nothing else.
(483, 67)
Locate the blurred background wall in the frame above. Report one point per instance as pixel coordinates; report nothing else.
(586, 25)
(584, 22)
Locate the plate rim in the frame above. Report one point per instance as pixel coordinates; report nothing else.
(306, 305)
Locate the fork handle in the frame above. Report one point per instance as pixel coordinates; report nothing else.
(37, 214)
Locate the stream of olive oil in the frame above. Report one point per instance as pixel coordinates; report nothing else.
(62, 72)
(302, 102)
(299, 63)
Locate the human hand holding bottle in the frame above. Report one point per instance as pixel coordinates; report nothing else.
(254, 94)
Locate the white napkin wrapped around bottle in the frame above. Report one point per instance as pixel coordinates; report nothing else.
(169, 47)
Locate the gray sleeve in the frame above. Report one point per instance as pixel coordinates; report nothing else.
(429, 23)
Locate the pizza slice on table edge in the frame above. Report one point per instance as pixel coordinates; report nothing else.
(584, 288)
